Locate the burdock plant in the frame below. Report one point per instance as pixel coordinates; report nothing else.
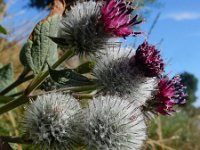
(101, 103)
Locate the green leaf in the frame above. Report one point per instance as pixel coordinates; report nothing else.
(3, 30)
(22, 56)
(85, 67)
(68, 77)
(7, 77)
(40, 49)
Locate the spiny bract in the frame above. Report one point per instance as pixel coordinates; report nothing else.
(113, 124)
(51, 121)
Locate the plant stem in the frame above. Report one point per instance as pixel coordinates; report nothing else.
(84, 88)
(83, 96)
(38, 80)
(5, 99)
(19, 81)
(13, 104)
(19, 140)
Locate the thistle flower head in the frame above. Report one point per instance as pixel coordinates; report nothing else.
(115, 15)
(170, 93)
(148, 59)
(113, 123)
(88, 26)
(119, 78)
(50, 121)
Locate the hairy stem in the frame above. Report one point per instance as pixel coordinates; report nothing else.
(22, 78)
(16, 83)
(38, 80)
(13, 104)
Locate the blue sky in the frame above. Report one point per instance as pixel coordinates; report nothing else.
(178, 26)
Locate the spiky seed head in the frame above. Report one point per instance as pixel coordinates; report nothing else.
(117, 76)
(113, 123)
(51, 121)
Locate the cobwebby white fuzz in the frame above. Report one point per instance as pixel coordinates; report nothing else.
(50, 121)
(115, 74)
(113, 123)
(82, 29)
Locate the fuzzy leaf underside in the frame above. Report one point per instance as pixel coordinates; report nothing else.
(40, 49)
(6, 77)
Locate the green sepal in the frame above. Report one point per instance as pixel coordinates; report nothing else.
(85, 67)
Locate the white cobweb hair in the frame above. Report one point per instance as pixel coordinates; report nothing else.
(115, 74)
(82, 29)
(51, 121)
(113, 123)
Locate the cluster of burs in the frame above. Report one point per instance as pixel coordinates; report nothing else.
(133, 85)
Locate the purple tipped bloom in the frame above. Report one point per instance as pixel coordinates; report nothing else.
(149, 60)
(115, 15)
(170, 93)
(180, 95)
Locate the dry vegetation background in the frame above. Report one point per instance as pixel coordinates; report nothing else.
(179, 132)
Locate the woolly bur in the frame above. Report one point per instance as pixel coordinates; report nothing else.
(113, 123)
(119, 77)
(51, 122)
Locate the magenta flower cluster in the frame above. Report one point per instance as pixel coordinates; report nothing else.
(149, 60)
(170, 93)
(115, 15)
